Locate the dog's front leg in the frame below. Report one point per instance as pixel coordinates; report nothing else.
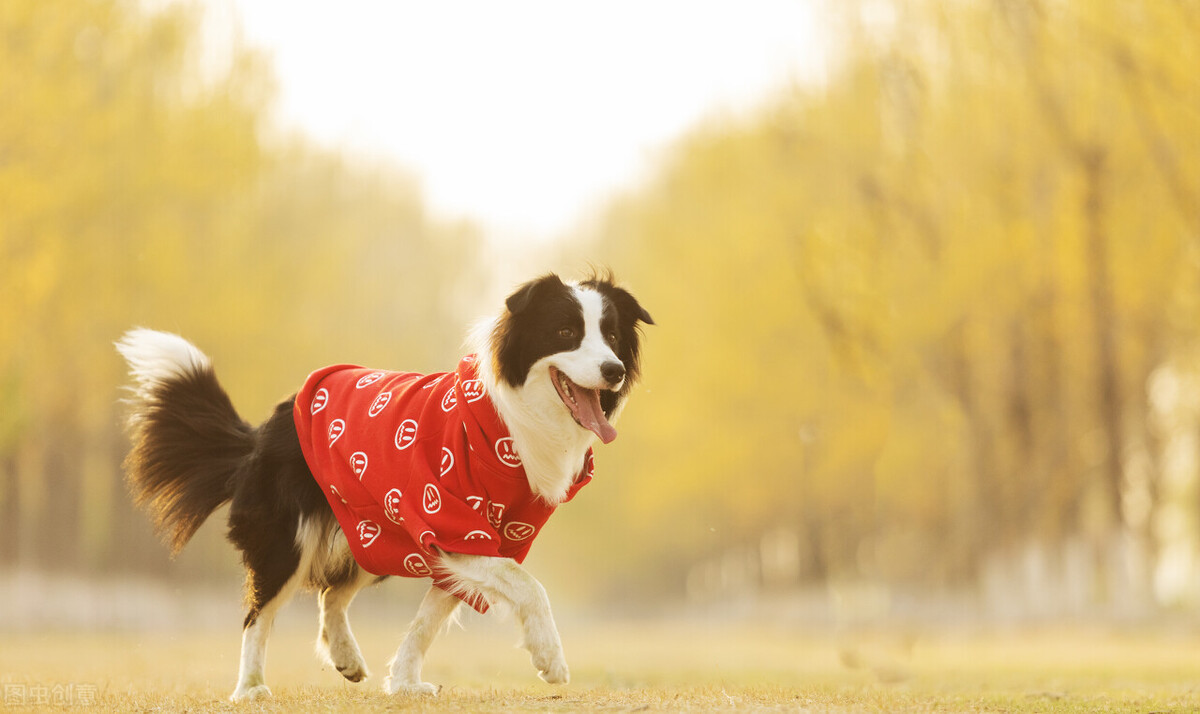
(504, 580)
(405, 668)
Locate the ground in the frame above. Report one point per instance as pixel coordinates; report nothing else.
(628, 666)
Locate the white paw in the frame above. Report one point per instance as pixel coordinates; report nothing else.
(343, 654)
(545, 649)
(355, 671)
(395, 686)
(553, 670)
(249, 694)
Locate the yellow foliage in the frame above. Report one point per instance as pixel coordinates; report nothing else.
(138, 188)
(884, 306)
(917, 305)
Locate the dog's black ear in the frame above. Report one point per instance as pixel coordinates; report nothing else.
(525, 295)
(627, 304)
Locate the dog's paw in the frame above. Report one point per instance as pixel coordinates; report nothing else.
(343, 655)
(249, 694)
(553, 670)
(355, 671)
(394, 686)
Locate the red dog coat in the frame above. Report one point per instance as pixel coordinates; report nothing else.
(412, 462)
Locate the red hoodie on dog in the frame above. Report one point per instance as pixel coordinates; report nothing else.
(412, 462)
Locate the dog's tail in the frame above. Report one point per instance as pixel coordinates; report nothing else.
(188, 441)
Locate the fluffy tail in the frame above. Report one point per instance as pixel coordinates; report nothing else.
(188, 441)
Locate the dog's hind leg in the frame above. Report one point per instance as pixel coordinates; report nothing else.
(251, 679)
(275, 569)
(405, 667)
(336, 642)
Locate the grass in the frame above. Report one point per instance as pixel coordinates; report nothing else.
(624, 667)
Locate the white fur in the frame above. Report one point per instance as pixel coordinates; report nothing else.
(335, 642)
(504, 581)
(325, 551)
(582, 364)
(157, 357)
(404, 670)
(551, 445)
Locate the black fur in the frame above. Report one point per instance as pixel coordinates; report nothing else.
(188, 445)
(537, 313)
(274, 491)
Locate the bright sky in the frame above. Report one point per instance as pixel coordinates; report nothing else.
(524, 115)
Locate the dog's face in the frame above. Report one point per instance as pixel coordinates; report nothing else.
(580, 339)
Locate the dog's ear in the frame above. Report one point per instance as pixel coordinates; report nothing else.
(528, 293)
(628, 305)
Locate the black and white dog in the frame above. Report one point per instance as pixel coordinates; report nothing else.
(556, 366)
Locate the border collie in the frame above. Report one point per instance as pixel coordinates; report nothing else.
(366, 473)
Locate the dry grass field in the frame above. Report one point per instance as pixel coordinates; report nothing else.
(625, 667)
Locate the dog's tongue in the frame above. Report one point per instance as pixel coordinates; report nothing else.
(588, 413)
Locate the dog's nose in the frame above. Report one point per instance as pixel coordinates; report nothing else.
(613, 372)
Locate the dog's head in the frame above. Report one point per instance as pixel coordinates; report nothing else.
(582, 339)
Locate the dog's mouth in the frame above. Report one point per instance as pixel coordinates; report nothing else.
(584, 405)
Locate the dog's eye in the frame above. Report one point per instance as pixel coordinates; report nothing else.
(567, 333)
(612, 338)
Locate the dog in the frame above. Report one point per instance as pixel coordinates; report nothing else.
(328, 494)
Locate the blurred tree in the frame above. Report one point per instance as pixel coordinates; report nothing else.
(112, 162)
(911, 314)
(139, 187)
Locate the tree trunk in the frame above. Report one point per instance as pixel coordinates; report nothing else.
(1108, 380)
(10, 511)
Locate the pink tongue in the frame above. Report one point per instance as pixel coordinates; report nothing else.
(590, 415)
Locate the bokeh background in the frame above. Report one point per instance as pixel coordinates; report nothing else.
(928, 322)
